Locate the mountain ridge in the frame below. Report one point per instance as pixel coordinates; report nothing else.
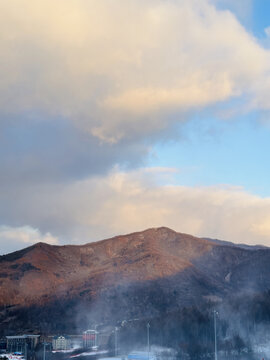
(41, 244)
(125, 271)
(150, 247)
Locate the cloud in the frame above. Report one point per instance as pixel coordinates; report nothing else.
(241, 8)
(118, 69)
(39, 151)
(15, 238)
(267, 31)
(88, 84)
(123, 202)
(194, 93)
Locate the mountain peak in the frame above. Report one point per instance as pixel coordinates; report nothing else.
(181, 267)
(147, 255)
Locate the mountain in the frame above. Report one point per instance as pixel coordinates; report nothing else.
(243, 246)
(36, 273)
(140, 275)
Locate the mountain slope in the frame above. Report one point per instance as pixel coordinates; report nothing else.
(140, 274)
(42, 270)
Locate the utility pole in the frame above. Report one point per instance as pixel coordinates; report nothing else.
(115, 341)
(148, 339)
(25, 350)
(44, 350)
(215, 330)
(95, 336)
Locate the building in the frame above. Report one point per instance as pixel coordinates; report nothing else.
(61, 343)
(90, 339)
(22, 343)
(3, 344)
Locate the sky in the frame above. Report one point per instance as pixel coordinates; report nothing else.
(118, 116)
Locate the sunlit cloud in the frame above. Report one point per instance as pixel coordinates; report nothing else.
(112, 67)
(87, 86)
(123, 202)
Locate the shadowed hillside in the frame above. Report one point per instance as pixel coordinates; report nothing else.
(148, 274)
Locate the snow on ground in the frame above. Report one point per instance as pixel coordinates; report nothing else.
(111, 358)
(12, 356)
(91, 353)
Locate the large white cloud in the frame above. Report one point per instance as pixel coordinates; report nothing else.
(122, 71)
(117, 69)
(99, 207)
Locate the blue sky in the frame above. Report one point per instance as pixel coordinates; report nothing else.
(252, 14)
(233, 151)
(211, 151)
(120, 116)
(260, 17)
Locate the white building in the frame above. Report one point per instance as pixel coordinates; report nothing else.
(90, 339)
(61, 343)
